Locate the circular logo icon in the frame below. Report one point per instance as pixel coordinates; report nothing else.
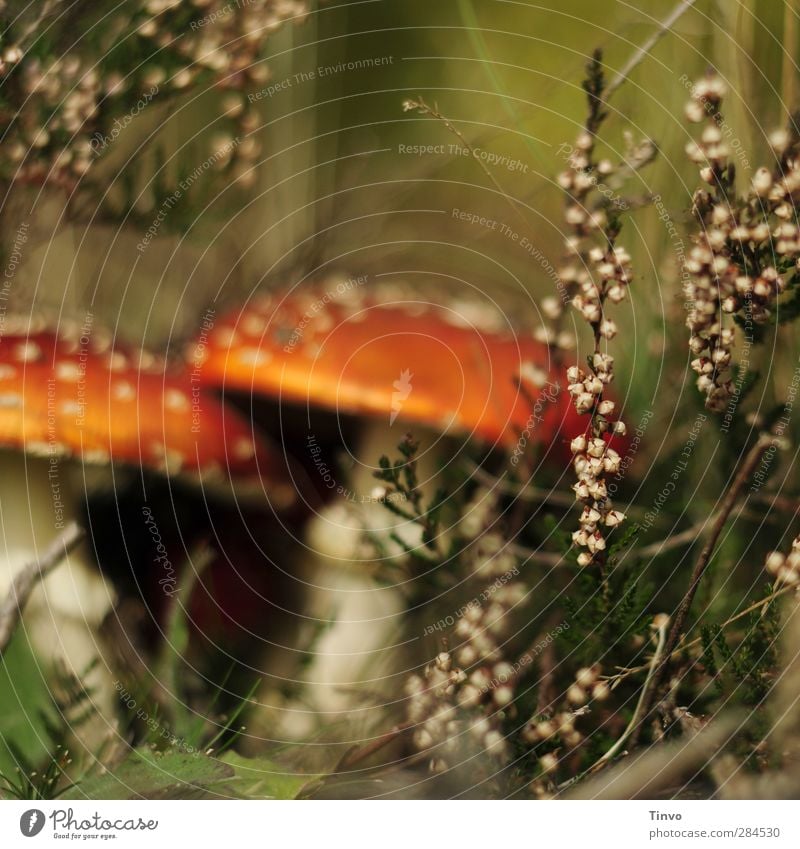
(31, 822)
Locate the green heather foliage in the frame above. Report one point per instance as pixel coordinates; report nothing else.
(556, 617)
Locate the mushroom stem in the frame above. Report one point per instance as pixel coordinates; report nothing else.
(38, 501)
(26, 580)
(358, 652)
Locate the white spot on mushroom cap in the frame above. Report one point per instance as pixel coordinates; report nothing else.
(225, 337)
(448, 420)
(212, 472)
(97, 455)
(66, 370)
(117, 361)
(197, 354)
(534, 374)
(253, 324)
(323, 322)
(123, 391)
(254, 356)
(10, 399)
(244, 449)
(149, 362)
(175, 400)
(474, 314)
(263, 304)
(27, 352)
(39, 449)
(101, 341)
(69, 332)
(169, 460)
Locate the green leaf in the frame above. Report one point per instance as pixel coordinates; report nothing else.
(27, 712)
(629, 536)
(261, 778)
(146, 774)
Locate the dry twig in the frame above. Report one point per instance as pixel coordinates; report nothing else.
(25, 581)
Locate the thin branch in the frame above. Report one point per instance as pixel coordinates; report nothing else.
(524, 492)
(638, 57)
(732, 496)
(355, 756)
(626, 671)
(788, 67)
(433, 112)
(25, 581)
(639, 712)
(728, 503)
(655, 664)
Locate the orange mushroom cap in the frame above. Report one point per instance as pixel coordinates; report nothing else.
(382, 351)
(77, 394)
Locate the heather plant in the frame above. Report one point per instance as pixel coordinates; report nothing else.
(605, 605)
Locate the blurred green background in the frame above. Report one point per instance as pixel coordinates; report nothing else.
(337, 191)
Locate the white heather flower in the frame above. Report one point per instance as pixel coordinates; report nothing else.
(580, 538)
(608, 328)
(779, 140)
(762, 181)
(551, 307)
(606, 408)
(578, 445)
(774, 562)
(548, 763)
(614, 518)
(695, 112)
(576, 695)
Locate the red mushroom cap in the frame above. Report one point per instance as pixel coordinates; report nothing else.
(75, 393)
(454, 366)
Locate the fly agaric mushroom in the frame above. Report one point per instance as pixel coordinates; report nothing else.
(75, 394)
(452, 367)
(390, 353)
